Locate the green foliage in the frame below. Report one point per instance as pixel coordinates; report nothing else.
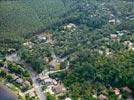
(2, 73)
(26, 74)
(16, 69)
(30, 16)
(19, 19)
(9, 77)
(92, 74)
(50, 97)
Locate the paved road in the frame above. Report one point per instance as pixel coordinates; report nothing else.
(36, 84)
(33, 75)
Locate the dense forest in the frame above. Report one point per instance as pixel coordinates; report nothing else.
(95, 36)
(22, 18)
(92, 74)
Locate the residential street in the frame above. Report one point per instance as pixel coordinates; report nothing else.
(36, 85)
(33, 75)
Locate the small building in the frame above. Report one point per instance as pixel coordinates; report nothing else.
(58, 89)
(116, 91)
(70, 26)
(129, 44)
(94, 96)
(31, 94)
(46, 60)
(41, 37)
(108, 51)
(11, 50)
(127, 89)
(5, 69)
(112, 21)
(28, 44)
(68, 99)
(48, 81)
(120, 33)
(113, 36)
(42, 77)
(100, 52)
(125, 31)
(14, 77)
(27, 83)
(102, 97)
(54, 82)
(19, 80)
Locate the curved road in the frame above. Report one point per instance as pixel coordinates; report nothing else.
(33, 75)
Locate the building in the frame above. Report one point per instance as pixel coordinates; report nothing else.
(43, 77)
(127, 89)
(58, 89)
(129, 44)
(102, 97)
(48, 81)
(11, 50)
(70, 26)
(46, 60)
(19, 80)
(27, 83)
(113, 36)
(116, 91)
(28, 44)
(68, 99)
(54, 82)
(14, 77)
(41, 37)
(31, 94)
(112, 21)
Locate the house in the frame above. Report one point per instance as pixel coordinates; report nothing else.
(70, 26)
(106, 39)
(125, 31)
(129, 44)
(46, 60)
(5, 67)
(108, 52)
(14, 77)
(28, 44)
(41, 37)
(19, 80)
(50, 38)
(120, 33)
(113, 36)
(68, 99)
(112, 21)
(94, 96)
(31, 94)
(4, 70)
(27, 83)
(58, 89)
(42, 77)
(116, 91)
(11, 50)
(54, 82)
(48, 81)
(102, 97)
(100, 52)
(127, 89)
